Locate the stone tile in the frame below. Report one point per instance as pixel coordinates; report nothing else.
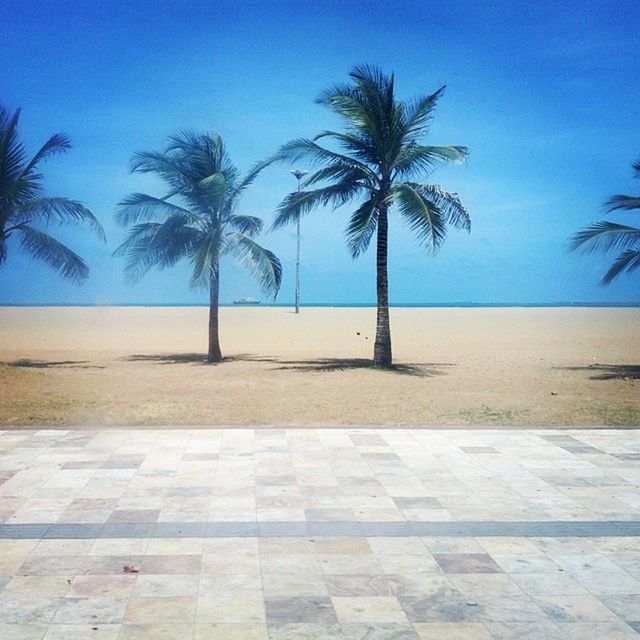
(341, 546)
(358, 585)
(379, 631)
(453, 631)
(300, 609)
(444, 605)
(37, 586)
(305, 631)
(159, 585)
(225, 608)
(418, 503)
(172, 564)
(539, 630)
(25, 609)
(155, 610)
(466, 563)
(156, 632)
(99, 610)
(22, 631)
(613, 630)
(83, 631)
(134, 516)
(581, 608)
(281, 584)
(371, 610)
(230, 632)
(114, 586)
(548, 584)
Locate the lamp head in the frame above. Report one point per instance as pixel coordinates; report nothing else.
(299, 173)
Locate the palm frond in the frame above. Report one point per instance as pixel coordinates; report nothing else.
(423, 217)
(161, 245)
(206, 253)
(414, 158)
(419, 112)
(628, 261)
(57, 143)
(625, 203)
(261, 262)
(361, 227)
(448, 204)
(297, 204)
(63, 210)
(355, 143)
(12, 153)
(138, 207)
(174, 171)
(58, 256)
(249, 225)
(303, 149)
(605, 236)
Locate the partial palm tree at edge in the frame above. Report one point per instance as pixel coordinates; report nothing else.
(24, 210)
(381, 153)
(195, 219)
(604, 236)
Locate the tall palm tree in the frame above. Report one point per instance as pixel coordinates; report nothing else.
(194, 219)
(610, 236)
(24, 210)
(381, 154)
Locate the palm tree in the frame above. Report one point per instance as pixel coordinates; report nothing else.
(24, 209)
(610, 236)
(195, 219)
(381, 153)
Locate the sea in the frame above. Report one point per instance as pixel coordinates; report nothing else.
(409, 305)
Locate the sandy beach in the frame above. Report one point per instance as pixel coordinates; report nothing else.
(143, 366)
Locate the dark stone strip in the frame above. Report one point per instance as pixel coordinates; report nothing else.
(337, 529)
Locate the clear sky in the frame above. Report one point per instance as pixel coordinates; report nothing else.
(545, 94)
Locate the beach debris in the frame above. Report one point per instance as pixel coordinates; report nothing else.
(357, 333)
(129, 569)
(554, 393)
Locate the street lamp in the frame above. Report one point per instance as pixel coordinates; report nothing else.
(298, 175)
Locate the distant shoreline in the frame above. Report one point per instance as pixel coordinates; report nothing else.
(341, 305)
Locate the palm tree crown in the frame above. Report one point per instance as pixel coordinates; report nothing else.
(610, 236)
(195, 219)
(380, 155)
(24, 208)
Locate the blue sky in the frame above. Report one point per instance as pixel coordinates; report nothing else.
(545, 95)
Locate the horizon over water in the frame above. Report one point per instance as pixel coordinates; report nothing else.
(406, 305)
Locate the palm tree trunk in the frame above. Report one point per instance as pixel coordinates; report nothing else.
(214, 354)
(382, 347)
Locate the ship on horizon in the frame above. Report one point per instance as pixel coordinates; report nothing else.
(246, 300)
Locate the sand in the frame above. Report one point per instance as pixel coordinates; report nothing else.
(143, 366)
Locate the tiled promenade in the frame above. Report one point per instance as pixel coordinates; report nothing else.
(319, 533)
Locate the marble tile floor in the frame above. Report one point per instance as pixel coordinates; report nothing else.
(273, 534)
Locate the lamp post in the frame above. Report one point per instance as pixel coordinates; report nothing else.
(298, 175)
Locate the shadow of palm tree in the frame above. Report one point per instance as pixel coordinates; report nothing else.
(609, 371)
(190, 358)
(26, 363)
(312, 364)
(344, 364)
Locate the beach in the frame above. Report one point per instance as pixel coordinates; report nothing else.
(111, 366)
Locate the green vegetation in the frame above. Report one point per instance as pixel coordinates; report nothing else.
(381, 155)
(610, 236)
(24, 210)
(194, 219)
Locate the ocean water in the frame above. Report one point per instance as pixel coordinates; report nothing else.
(409, 305)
